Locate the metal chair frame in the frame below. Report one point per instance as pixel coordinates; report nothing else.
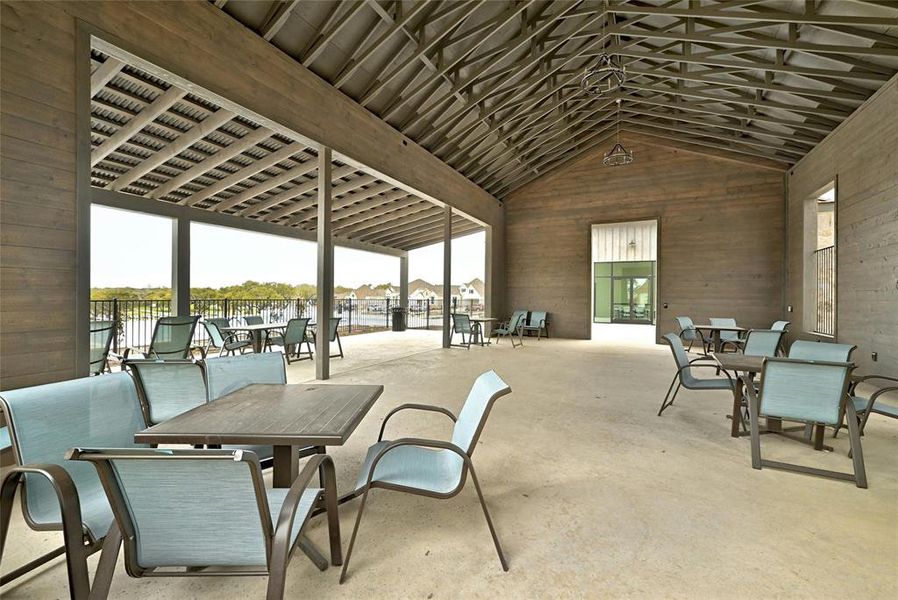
(458, 326)
(168, 322)
(230, 342)
(859, 476)
(278, 547)
(297, 348)
(104, 361)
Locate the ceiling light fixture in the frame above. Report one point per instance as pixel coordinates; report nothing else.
(607, 74)
(618, 155)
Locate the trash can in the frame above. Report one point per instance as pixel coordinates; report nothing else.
(398, 315)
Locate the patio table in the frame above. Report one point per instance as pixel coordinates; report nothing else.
(255, 332)
(287, 417)
(715, 330)
(481, 333)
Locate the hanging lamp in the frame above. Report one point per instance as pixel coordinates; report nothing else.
(607, 74)
(618, 155)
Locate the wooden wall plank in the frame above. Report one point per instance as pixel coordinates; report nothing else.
(720, 236)
(862, 154)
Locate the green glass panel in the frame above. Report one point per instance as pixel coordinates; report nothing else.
(634, 269)
(602, 300)
(603, 269)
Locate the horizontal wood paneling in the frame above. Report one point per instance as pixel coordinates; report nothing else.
(37, 191)
(862, 154)
(720, 236)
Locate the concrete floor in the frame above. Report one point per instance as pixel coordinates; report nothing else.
(592, 494)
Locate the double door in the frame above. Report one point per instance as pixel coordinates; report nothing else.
(631, 299)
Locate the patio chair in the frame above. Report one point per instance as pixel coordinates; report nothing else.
(167, 388)
(101, 334)
(784, 327)
(805, 350)
(228, 343)
(292, 339)
(171, 338)
(60, 495)
(511, 328)
(762, 342)
(212, 515)
(228, 374)
(333, 327)
(538, 323)
(809, 392)
(257, 320)
(685, 378)
(867, 403)
(688, 333)
(432, 468)
(727, 338)
(461, 323)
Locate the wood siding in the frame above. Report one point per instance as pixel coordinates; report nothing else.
(720, 236)
(612, 243)
(862, 155)
(38, 207)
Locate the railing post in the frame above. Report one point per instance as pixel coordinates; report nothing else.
(387, 312)
(225, 309)
(117, 323)
(349, 307)
(428, 315)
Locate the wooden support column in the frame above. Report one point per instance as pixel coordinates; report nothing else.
(447, 276)
(180, 266)
(325, 264)
(403, 281)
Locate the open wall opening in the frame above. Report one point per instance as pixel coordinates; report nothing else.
(624, 280)
(820, 263)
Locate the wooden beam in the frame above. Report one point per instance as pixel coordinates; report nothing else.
(325, 287)
(343, 188)
(287, 176)
(182, 143)
(162, 103)
(381, 215)
(447, 275)
(222, 156)
(276, 18)
(302, 188)
(769, 16)
(104, 74)
(246, 172)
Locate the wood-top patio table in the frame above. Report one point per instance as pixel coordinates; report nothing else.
(255, 332)
(482, 334)
(287, 417)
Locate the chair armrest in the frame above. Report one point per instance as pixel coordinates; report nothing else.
(424, 443)
(702, 358)
(691, 365)
(66, 494)
(281, 544)
(425, 407)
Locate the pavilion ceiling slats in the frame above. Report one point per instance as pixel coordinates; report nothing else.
(152, 139)
(485, 86)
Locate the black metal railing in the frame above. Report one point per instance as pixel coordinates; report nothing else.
(136, 318)
(825, 321)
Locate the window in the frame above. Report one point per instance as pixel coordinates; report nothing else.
(824, 262)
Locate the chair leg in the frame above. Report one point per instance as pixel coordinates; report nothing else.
(856, 453)
(106, 567)
(665, 403)
(355, 530)
(489, 521)
(753, 418)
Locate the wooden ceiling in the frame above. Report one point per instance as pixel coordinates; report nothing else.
(154, 140)
(493, 87)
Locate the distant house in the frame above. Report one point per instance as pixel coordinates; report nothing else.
(472, 291)
(422, 290)
(367, 292)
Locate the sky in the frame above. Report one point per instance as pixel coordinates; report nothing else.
(131, 249)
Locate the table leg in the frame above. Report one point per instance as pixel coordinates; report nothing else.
(257, 341)
(774, 425)
(737, 407)
(715, 337)
(286, 466)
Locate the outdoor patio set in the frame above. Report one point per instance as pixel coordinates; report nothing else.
(813, 384)
(104, 472)
(173, 337)
(520, 322)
